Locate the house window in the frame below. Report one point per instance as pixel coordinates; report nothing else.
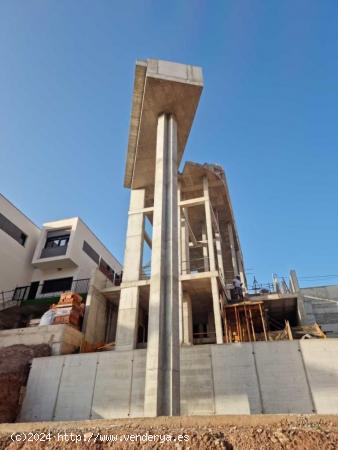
(12, 230)
(56, 243)
(91, 252)
(57, 285)
(106, 269)
(60, 241)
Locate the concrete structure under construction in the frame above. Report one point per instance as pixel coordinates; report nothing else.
(180, 345)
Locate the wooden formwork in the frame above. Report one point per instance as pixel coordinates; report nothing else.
(244, 322)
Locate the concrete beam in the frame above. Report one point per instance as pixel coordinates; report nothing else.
(192, 202)
(159, 86)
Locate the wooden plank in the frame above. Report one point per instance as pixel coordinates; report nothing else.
(252, 326)
(263, 322)
(247, 323)
(288, 330)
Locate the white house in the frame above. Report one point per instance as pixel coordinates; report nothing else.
(37, 263)
(18, 240)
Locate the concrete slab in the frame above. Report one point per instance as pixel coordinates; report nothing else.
(197, 390)
(282, 378)
(42, 389)
(76, 387)
(138, 382)
(159, 86)
(321, 364)
(235, 380)
(112, 391)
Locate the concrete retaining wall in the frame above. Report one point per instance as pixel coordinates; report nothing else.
(85, 386)
(63, 339)
(248, 378)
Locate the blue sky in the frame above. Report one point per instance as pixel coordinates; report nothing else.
(268, 114)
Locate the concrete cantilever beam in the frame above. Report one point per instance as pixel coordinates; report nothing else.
(159, 87)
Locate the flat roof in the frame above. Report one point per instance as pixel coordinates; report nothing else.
(159, 87)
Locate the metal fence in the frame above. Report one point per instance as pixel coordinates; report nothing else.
(21, 294)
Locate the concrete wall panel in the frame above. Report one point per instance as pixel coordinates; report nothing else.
(42, 389)
(113, 385)
(138, 382)
(235, 381)
(321, 364)
(215, 379)
(197, 390)
(76, 387)
(282, 378)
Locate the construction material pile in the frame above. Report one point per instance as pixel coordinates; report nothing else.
(69, 310)
(14, 368)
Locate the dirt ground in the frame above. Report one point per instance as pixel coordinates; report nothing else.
(219, 432)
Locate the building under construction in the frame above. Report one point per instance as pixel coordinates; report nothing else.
(174, 337)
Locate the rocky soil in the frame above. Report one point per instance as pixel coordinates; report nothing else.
(222, 432)
(14, 369)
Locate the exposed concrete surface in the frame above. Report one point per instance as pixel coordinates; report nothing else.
(248, 378)
(162, 384)
(94, 323)
(84, 386)
(159, 86)
(62, 339)
(282, 379)
(126, 334)
(321, 306)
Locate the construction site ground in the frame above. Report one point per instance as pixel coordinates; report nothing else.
(303, 432)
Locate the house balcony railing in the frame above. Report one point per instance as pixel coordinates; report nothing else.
(51, 252)
(19, 295)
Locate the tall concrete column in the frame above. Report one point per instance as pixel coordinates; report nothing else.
(205, 249)
(185, 257)
(180, 287)
(162, 383)
(212, 265)
(241, 270)
(187, 319)
(126, 333)
(232, 249)
(294, 281)
(219, 254)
